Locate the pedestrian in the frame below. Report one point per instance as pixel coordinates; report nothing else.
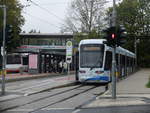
(60, 66)
(55, 66)
(65, 67)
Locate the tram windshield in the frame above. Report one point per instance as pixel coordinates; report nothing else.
(13, 59)
(91, 55)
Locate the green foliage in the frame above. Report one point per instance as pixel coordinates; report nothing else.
(127, 13)
(79, 36)
(92, 35)
(135, 16)
(14, 18)
(148, 84)
(143, 53)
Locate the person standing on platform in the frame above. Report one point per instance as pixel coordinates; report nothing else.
(60, 66)
(55, 66)
(65, 67)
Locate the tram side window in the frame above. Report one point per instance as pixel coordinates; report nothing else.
(13, 59)
(25, 60)
(123, 60)
(117, 59)
(108, 60)
(129, 61)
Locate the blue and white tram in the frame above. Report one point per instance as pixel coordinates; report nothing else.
(95, 61)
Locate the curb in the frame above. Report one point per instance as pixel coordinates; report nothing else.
(55, 87)
(33, 77)
(108, 92)
(14, 96)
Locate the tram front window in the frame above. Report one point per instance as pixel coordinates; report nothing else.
(13, 59)
(91, 56)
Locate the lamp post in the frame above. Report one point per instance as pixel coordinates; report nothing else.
(3, 49)
(135, 49)
(113, 54)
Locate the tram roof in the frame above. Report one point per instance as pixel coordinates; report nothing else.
(101, 41)
(125, 52)
(90, 41)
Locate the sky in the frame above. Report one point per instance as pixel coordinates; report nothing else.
(46, 16)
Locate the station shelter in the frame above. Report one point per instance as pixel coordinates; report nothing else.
(42, 53)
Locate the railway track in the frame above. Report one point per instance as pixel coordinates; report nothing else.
(53, 97)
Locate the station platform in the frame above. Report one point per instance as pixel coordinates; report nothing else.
(47, 81)
(131, 91)
(26, 76)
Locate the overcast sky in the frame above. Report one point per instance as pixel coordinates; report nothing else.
(45, 16)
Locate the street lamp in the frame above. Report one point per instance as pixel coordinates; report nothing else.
(3, 49)
(135, 49)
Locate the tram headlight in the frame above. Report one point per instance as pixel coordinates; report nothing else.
(99, 72)
(82, 71)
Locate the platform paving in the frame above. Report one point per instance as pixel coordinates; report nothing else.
(55, 80)
(26, 76)
(130, 91)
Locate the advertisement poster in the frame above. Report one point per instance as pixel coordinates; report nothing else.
(33, 60)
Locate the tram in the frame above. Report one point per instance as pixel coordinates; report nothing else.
(94, 61)
(15, 62)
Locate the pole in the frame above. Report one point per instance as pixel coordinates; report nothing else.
(114, 74)
(135, 47)
(114, 14)
(4, 55)
(68, 68)
(114, 55)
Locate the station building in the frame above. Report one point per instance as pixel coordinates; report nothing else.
(43, 52)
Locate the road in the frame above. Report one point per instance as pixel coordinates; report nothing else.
(32, 86)
(69, 99)
(119, 109)
(60, 99)
(37, 96)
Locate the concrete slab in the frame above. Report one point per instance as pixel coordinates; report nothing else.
(121, 100)
(130, 91)
(8, 97)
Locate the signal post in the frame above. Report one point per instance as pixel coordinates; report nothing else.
(3, 53)
(115, 36)
(68, 55)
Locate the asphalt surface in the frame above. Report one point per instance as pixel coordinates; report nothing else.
(127, 109)
(64, 98)
(132, 97)
(32, 86)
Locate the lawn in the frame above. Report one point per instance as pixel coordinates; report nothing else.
(148, 84)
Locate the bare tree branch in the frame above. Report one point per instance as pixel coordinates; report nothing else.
(85, 15)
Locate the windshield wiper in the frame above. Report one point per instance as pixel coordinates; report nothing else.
(95, 64)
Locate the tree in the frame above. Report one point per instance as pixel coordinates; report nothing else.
(33, 31)
(14, 18)
(144, 19)
(135, 16)
(84, 16)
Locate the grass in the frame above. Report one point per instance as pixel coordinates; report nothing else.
(148, 84)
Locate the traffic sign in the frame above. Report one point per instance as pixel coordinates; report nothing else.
(69, 52)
